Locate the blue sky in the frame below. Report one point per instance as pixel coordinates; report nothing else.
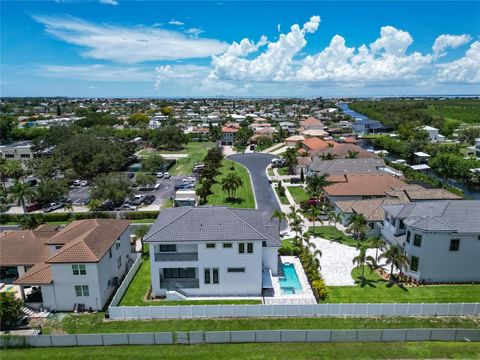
(224, 48)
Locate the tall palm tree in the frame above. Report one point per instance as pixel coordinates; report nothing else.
(378, 244)
(231, 183)
(358, 224)
(352, 154)
(280, 216)
(361, 260)
(316, 184)
(395, 257)
(93, 206)
(328, 156)
(291, 159)
(312, 215)
(337, 218)
(295, 221)
(21, 192)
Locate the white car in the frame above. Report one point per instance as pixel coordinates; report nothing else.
(167, 175)
(160, 175)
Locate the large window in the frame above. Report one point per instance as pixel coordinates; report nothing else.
(454, 244)
(401, 225)
(414, 263)
(211, 276)
(168, 248)
(79, 269)
(81, 290)
(250, 248)
(215, 276)
(241, 248)
(179, 273)
(227, 245)
(417, 240)
(207, 275)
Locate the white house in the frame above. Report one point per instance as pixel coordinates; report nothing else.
(211, 251)
(433, 134)
(21, 150)
(75, 267)
(440, 238)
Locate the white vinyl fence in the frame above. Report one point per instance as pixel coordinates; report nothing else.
(301, 310)
(248, 336)
(127, 280)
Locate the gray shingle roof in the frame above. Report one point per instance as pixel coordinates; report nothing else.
(207, 223)
(344, 166)
(462, 216)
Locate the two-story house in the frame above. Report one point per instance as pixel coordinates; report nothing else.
(228, 134)
(440, 238)
(211, 251)
(75, 267)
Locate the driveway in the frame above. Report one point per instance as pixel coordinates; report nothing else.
(264, 196)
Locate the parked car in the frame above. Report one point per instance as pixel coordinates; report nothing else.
(130, 175)
(167, 175)
(127, 206)
(149, 199)
(84, 183)
(77, 182)
(64, 200)
(278, 162)
(86, 201)
(295, 180)
(33, 207)
(136, 200)
(107, 205)
(31, 182)
(183, 186)
(52, 207)
(160, 175)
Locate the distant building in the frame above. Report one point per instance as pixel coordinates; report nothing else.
(367, 126)
(21, 150)
(433, 134)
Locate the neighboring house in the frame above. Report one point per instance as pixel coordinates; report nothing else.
(360, 186)
(433, 134)
(63, 269)
(367, 126)
(287, 125)
(315, 133)
(475, 149)
(342, 151)
(228, 134)
(21, 150)
(440, 238)
(312, 124)
(294, 140)
(315, 144)
(211, 251)
(346, 166)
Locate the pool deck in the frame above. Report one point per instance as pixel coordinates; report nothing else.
(304, 297)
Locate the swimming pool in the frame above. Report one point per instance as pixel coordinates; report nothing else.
(289, 283)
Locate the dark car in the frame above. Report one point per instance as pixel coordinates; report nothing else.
(64, 200)
(86, 201)
(183, 186)
(31, 182)
(33, 207)
(130, 175)
(295, 180)
(107, 205)
(136, 200)
(52, 207)
(149, 199)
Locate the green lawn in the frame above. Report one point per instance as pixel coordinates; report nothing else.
(382, 292)
(196, 152)
(244, 197)
(135, 294)
(371, 276)
(299, 194)
(95, 323)
(270, 172)
(272, 351)
(283, 171)
(283, 199)
(328, 232)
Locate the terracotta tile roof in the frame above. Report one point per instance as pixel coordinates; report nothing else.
(370, 208)
(91, 245)
(231, 128)
(311, 121)
(72, 231)
(22, 247)
(317, 144)
(40, 274)
(364, 185)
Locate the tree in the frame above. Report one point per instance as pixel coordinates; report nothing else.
(8, 123)
(21, 193)
(351, 154)
(169, 138)
(445, 164)
(110, 187)
(336, 217)
(378, 244)
(231, 183)
(215, 133)
(10, 310)
(312, 215)
(166, 110)
(140, 232)
(138, 120)
(280, 216)
(358, 224)
(94, 205)
(395, 257)
(50, 190)
(11, 169)
(328, 156)
(145, 179)
(291, 159)
(296, 223)
(302, 175)
(153, 163)
(316, 184)
(203, 190)
(32, 221)
(361, 260)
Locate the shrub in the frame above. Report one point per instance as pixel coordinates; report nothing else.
(136, 215)
(320, 289)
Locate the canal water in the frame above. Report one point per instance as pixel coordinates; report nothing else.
(470, 190)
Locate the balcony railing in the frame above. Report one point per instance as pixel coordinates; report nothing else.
(173, 284)
(174, 256)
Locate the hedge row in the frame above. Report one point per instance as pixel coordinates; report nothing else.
(131, 215)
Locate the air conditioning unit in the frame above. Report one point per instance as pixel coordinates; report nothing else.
(115, 281)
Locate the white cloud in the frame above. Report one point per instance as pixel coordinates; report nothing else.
(448, 41)
(176, 22)
(195, 32)
(108, 2)
(464, 70)
(392, 41)
(179, 73)
(97, 72)
(129, 45)
(278, 27)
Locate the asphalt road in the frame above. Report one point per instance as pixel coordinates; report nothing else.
(264, 195)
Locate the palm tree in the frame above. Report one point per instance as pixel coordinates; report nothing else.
(140, 233)
(352, 154)
(312, 215)
(377, 244)
(291, 159)
(358, 224)
(328, 156)
(395, 257)
(316, 184)
(337, 218)
(32, 221)
(295, 221)
(361, 260)
(93, 206)
(20, 193)
(231, 183)
(279, 215)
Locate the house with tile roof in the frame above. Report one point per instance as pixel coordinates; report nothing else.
(77, 266)
(228, 134)
(440, 238)
(212, 251)
(312, 123)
